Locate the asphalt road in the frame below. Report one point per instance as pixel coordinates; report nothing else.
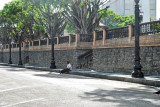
(20, 87)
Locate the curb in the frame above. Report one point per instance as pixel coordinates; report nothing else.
(95, 75)
(125, 79)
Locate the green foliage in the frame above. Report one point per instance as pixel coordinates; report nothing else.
(112, 19)
(70, 28)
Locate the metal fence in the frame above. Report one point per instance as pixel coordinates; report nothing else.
(35, 43)
(43, 42)
(50, 41)
(120, 32)
(150, 28)
(99, 35)
(73, 38)
(14, 45)
(64, 39)
(86, 38)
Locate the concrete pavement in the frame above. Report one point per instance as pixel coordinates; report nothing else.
(21, 87)
(147, 80)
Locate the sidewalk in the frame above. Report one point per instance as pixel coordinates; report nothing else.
(147, 80)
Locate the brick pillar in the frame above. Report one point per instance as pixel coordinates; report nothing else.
(130, 32)
(77, 40)
(24, 46)
(94, 38)
(39, 43)
(29, 44)
(47, 42)
(104, 36)
(57, 40)
(32, 43)
(70, 40)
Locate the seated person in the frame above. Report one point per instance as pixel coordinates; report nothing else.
(68, 69)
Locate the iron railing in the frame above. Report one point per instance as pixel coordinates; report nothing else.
(35, 43)
(64, 39)
(73, 38)
(43, 42)
(50, 41)
(7, 46)
(86, 38)
(120, 32)
(31, 44)
(99, 35)
(14, 45)
(150, 28)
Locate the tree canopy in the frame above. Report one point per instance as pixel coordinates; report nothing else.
(111, 19)
(47, 18)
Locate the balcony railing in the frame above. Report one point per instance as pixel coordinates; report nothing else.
(86, 38)
(64, 39)
(99, 35)
(116, 37)
(120, 32)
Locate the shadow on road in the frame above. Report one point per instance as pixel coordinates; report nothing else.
(124, 97)
(66, 76)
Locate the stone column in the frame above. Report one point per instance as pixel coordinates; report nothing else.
(57, 40)
(94, 38)
(104, 36)
(130, 32)
(47, 42)
(39, 43)
(70, 40)
(77, 40)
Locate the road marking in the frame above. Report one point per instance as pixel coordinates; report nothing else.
(13, 89)
(33, 100)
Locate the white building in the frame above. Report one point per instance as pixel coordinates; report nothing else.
(127, 7)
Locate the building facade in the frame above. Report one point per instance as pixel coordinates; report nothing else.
(149, 8)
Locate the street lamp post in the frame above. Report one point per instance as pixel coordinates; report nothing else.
(10, 59)
(20, 60)
(137, 73)
(53, 66)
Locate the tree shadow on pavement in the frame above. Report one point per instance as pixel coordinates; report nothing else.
(123, 97)
(66, 76)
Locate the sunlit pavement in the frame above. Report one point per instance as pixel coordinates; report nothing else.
(20, 87)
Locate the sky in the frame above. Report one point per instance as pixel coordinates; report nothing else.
(3, 2)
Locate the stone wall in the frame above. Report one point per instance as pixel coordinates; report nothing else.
(43, 58)
(122, 59)
(104, 59)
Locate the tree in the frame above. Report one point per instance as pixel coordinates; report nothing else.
(49, 16)
(111, 19)
(83, 14)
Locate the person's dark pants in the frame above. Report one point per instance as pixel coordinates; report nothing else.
(65, 71)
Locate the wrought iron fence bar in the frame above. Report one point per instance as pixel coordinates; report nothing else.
(35, 43)
(149, 28)
(55, 40)
(119, 32)
(86, 38)
(99, 35)
(14, 45)
(6, 46)
(64, 39)
(43, 42)
(73, 38)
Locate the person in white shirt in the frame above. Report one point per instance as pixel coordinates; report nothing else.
(68, 69)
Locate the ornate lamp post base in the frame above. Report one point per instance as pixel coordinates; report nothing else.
(20, 63)
(53, 66)
(10, 62)
(137, 73)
